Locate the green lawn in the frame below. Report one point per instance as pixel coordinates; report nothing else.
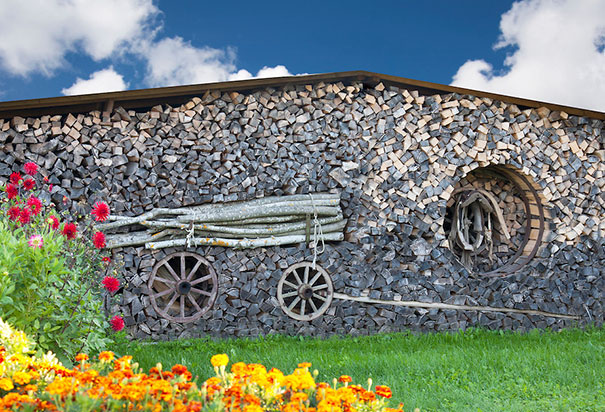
(472, 371)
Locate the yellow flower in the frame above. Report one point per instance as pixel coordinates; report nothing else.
(6, 384)
(219, 360)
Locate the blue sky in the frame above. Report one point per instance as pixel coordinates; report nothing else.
(551, 50)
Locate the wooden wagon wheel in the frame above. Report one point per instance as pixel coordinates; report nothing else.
(183, 286)
(305, 293)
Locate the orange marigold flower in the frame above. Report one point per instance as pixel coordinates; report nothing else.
(239, 368)
(6, 384)
(304, 365)
(80, 357)
(345, 379)
(251, 399)
(179, 369)
(219, 360)
(367, 396)
(383, 391)
(299, 397)
(22, 378)
(106, 356)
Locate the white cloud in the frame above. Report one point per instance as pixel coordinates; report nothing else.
(106, 80)
(36, 35)
(277, 71)
(173, 61)
(241, 74)
(558, 57)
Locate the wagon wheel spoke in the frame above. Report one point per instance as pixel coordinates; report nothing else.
(306, 275)
(194, 303)
(183, 268)
(294, 302)
(302, 307)
(200, 280)
(295, 273)
(201, 292)
(290, 294)
(317, 276)
(292, 285)
(166, 281)
(315, 295)
(163, 293)
(313, 305)
(172, 272)
(320, 287)
(172, 300)
(194, 270)
(182, 304)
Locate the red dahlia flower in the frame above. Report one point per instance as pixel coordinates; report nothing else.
(69, 231)
(25, 215)
(31, 168)
(35, 204)
(15, 178)
(53, 222)
(14, 212)
(117, 323)
(111, 284)
(106, 259)
(11, 191)
(28, 184)
(100, 211)
(98, 239)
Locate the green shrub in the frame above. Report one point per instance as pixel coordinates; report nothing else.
(51, 271)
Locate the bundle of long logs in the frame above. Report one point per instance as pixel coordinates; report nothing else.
(269, 221)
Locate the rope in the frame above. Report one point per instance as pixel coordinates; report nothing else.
(317, 230)
(190, 235)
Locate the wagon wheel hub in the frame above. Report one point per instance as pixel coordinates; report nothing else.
(183, 287)
(305, 291)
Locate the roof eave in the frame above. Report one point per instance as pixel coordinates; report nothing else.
(179, 94)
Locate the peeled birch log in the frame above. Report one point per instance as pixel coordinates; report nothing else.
(269, 221)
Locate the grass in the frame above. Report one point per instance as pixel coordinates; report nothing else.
(475, 370)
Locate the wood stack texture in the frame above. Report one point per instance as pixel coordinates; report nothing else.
(394, 156)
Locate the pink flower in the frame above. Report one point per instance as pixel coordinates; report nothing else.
(111, 284)
(28, 184)
(98, 239)
(31, 168)
(100, 211)
(11, 191)
(69, 231)
(53, 222)
(117, 323)
(35, 204)
(36, 241)
(15, 178)
(14, 213)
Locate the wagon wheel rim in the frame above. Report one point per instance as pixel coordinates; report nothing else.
(182, 287)
(305, 293)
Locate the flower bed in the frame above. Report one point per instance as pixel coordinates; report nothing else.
(51, 266)
(116, 384)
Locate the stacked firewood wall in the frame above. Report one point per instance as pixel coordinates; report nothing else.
(394, 156)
